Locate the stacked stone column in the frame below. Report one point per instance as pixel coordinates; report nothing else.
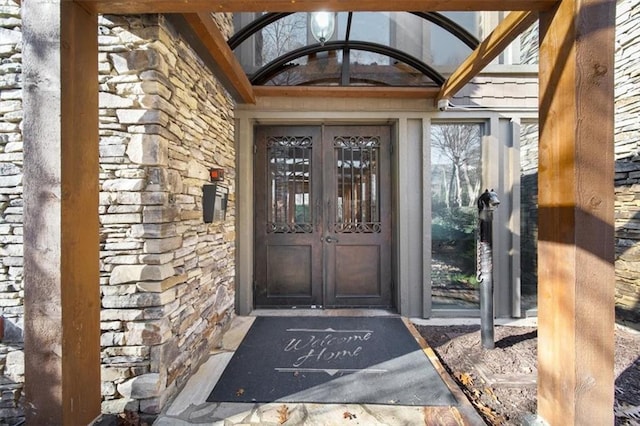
(167, 277)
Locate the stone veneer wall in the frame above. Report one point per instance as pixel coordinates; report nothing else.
(529, 209)
(529, 186)
(627, 178)
(167, 278)
(627, 152)
(529, 47)
(11, 285)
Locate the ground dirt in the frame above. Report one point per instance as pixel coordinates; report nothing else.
(501, 382)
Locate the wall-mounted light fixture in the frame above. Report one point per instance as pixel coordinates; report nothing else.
(322, 25)
(216, 175)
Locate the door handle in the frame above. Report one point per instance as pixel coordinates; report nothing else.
(331, 240)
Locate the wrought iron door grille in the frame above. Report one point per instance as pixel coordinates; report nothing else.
(357, 208)
(289, 187)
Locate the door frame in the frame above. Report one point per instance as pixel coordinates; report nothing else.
(410, 121)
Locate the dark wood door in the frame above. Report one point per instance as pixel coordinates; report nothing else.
(358, 216)
(288, 191)
(322, 216)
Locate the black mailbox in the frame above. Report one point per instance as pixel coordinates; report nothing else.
(214, 203)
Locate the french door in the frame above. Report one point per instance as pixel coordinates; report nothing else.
(322, 216)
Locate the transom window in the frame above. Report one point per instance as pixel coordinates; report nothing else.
(365, 49)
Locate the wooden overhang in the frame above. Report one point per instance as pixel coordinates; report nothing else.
(347, 91)
(506, 31)
(195, 6)
(233, 76)
(197, 14)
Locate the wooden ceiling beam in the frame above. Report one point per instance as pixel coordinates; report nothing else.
(489, 49)
(232, 75)
(197, 6)
(347, 92)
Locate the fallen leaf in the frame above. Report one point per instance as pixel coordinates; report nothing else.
(240, 392)
(348, 415)
(490, 392)
(492, 416)
(128, 418)
(465, 379)
(283, 414)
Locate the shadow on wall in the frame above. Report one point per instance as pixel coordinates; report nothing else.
(627, 223)
(529, 234)
(12, 377)
(626, 391)
(627, 238)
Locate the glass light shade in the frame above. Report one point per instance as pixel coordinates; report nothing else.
(322, 25)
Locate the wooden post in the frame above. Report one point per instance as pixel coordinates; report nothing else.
(61, 230)
(576, 233)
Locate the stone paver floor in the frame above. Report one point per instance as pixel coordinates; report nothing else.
(191, 408)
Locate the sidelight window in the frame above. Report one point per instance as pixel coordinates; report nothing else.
(456, 177)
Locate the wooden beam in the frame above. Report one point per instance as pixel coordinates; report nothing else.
(347, 92)
(506, 31)
(195, 6)
(576, 278)
(232, 75)
(61, 226)
(321, 72)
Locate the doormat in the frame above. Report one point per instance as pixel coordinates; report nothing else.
(333, 360)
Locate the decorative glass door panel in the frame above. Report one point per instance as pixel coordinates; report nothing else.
(357, 170)
(289, 193)
(323, 227)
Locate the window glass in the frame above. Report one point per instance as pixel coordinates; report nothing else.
(323, 68)
(289, 190)
(366, 26)
(456, 174)
(357, 176)
(403, 31)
